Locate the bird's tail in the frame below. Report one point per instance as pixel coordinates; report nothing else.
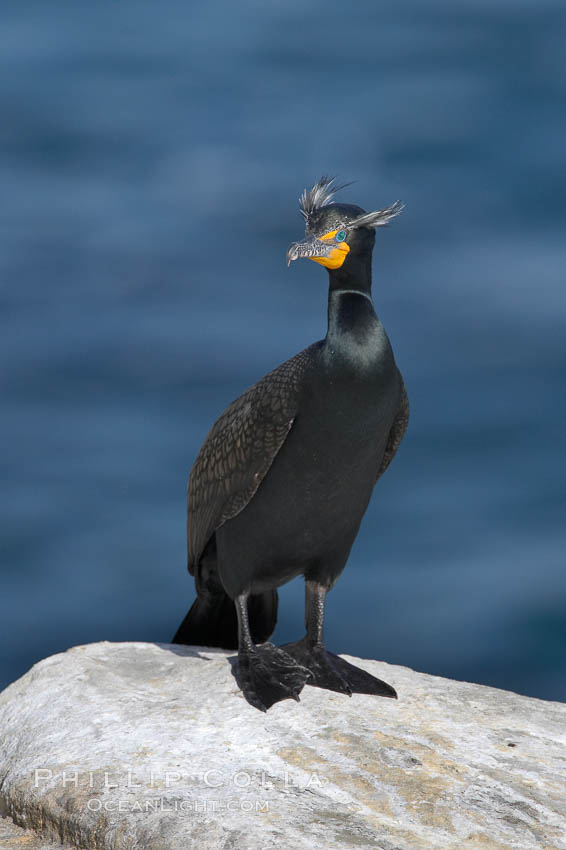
(212, 620)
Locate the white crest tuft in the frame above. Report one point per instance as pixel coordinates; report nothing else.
(319, 196)
(379, 217)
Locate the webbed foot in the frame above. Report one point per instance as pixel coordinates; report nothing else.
(332, 673)
(268, 675)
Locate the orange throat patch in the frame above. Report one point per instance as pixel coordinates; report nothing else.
(336, 256)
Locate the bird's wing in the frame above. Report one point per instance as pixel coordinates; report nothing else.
(238, 451)
(397, 431)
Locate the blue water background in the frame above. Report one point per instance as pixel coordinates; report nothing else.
(152, 155)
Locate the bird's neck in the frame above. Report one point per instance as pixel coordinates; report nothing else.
(355, 277)
(350, 305)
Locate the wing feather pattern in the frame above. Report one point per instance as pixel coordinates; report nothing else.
(397, 431)
(239, 450)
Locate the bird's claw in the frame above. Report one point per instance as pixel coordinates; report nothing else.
(332, 673)
(268, 675)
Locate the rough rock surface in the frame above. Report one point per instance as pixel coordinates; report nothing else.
(13, 837)
(152, 746)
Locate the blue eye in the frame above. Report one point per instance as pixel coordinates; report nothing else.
(340, 236)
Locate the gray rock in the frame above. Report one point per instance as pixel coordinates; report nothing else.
(153, 747)
(13, 837)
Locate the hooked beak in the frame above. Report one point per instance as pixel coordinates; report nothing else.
(326, 252)
(310, 248)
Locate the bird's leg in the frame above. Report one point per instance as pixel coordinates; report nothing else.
(329, 671)
(265, 674)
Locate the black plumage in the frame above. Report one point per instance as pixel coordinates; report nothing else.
(282, 481)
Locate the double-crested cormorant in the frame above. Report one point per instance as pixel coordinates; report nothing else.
(284, 477)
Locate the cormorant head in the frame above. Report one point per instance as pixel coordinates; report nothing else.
(336, 233)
